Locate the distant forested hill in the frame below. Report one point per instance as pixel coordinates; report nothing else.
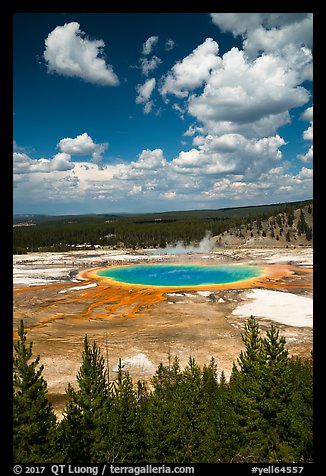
(60, 233)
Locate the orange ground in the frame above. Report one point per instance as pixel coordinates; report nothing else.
(109, 295)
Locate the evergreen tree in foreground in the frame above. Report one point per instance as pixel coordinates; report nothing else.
(262, 392)
(245, 392)
(300, 430)
(82, 432)
(33, 419)
(263, 414)
(125, 435)
(277, 392)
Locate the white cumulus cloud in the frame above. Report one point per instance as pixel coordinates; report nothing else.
(194, 177)
(307, 115)
(144, 94)
(68, 52)
(286, 35)
(308, 156)
(220, 155)
(247, 92)
(267, 31)
(193, 70)
(150, 160)
(308, 134)
(83, 145)
(148, 65)
(23, 164)
(149, 45)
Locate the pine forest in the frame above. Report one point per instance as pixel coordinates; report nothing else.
(263, 413)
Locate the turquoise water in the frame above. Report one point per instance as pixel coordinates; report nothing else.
(180, 274)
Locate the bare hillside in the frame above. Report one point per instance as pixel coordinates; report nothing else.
(287, 229)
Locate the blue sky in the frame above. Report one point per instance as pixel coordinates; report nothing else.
(144, 112)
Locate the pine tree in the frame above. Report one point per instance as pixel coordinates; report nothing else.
(219, 432)
(34, 422)
(302, 224)
(83, 430)
(250, 360)
(308, 233)
(182, 415)
(279, 221)
(276, 391)
(157, 424)
(262, 395)
(124, 426)
(300, 429)
(272, 232)
(191, 410)
(161, 434)
(290, 217)
(246, 381)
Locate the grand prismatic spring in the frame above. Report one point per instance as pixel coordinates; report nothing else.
(180, 275)
(134, 288)
(138, 287)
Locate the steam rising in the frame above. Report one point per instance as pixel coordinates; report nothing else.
(204, 246)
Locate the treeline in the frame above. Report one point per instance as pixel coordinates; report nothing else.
(262, 414)
(144, 231)
(120, 234)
